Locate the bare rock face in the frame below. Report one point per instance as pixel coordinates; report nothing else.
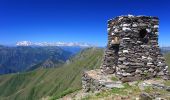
(132, 52)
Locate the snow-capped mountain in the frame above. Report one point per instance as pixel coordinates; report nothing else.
(24, 43)
(28, 43)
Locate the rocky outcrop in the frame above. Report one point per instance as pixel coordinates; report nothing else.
(152, 89)
(94, 80)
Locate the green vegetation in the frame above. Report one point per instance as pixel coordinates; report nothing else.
(60, 95)
(110, 94)
(167, 57)
(167, 83)
(114, 79)
(53, 82)
(145, 74)
(128, 93)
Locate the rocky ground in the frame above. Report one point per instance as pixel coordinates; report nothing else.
(153, 89)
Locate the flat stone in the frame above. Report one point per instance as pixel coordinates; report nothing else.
(114, 85)
(138, 71)
(126, 74)
(156, 26)
(126, 63)
(113, 33)
(126, 38)
(122, 58)
(150, 63)
(143, 57)
(161, 64)
(116, 30)
(139, 41)
(149, 58)
(143, 25)
(136, 64)
(126, 29)
(130, 79)
(134, 25)
(126, 25)
(151, 70)
(148, 30)
(160, 73)
(125, 51)
(122, 66)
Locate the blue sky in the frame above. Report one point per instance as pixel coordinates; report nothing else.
(73, 20)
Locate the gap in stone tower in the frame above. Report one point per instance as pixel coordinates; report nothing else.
(143, 34)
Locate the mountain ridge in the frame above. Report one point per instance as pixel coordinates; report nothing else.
(18, 59)
(69, 44)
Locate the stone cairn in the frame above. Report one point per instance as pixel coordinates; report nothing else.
(132, 51)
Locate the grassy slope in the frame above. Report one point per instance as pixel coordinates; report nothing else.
(49, 82)
(167, 57)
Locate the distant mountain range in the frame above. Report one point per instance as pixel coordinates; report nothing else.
(23, 58)
(70, 44)
(28, 56)
(165, 50)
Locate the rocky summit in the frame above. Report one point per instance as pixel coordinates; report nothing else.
(132, 54)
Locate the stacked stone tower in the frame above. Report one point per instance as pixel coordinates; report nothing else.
(132, 52)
